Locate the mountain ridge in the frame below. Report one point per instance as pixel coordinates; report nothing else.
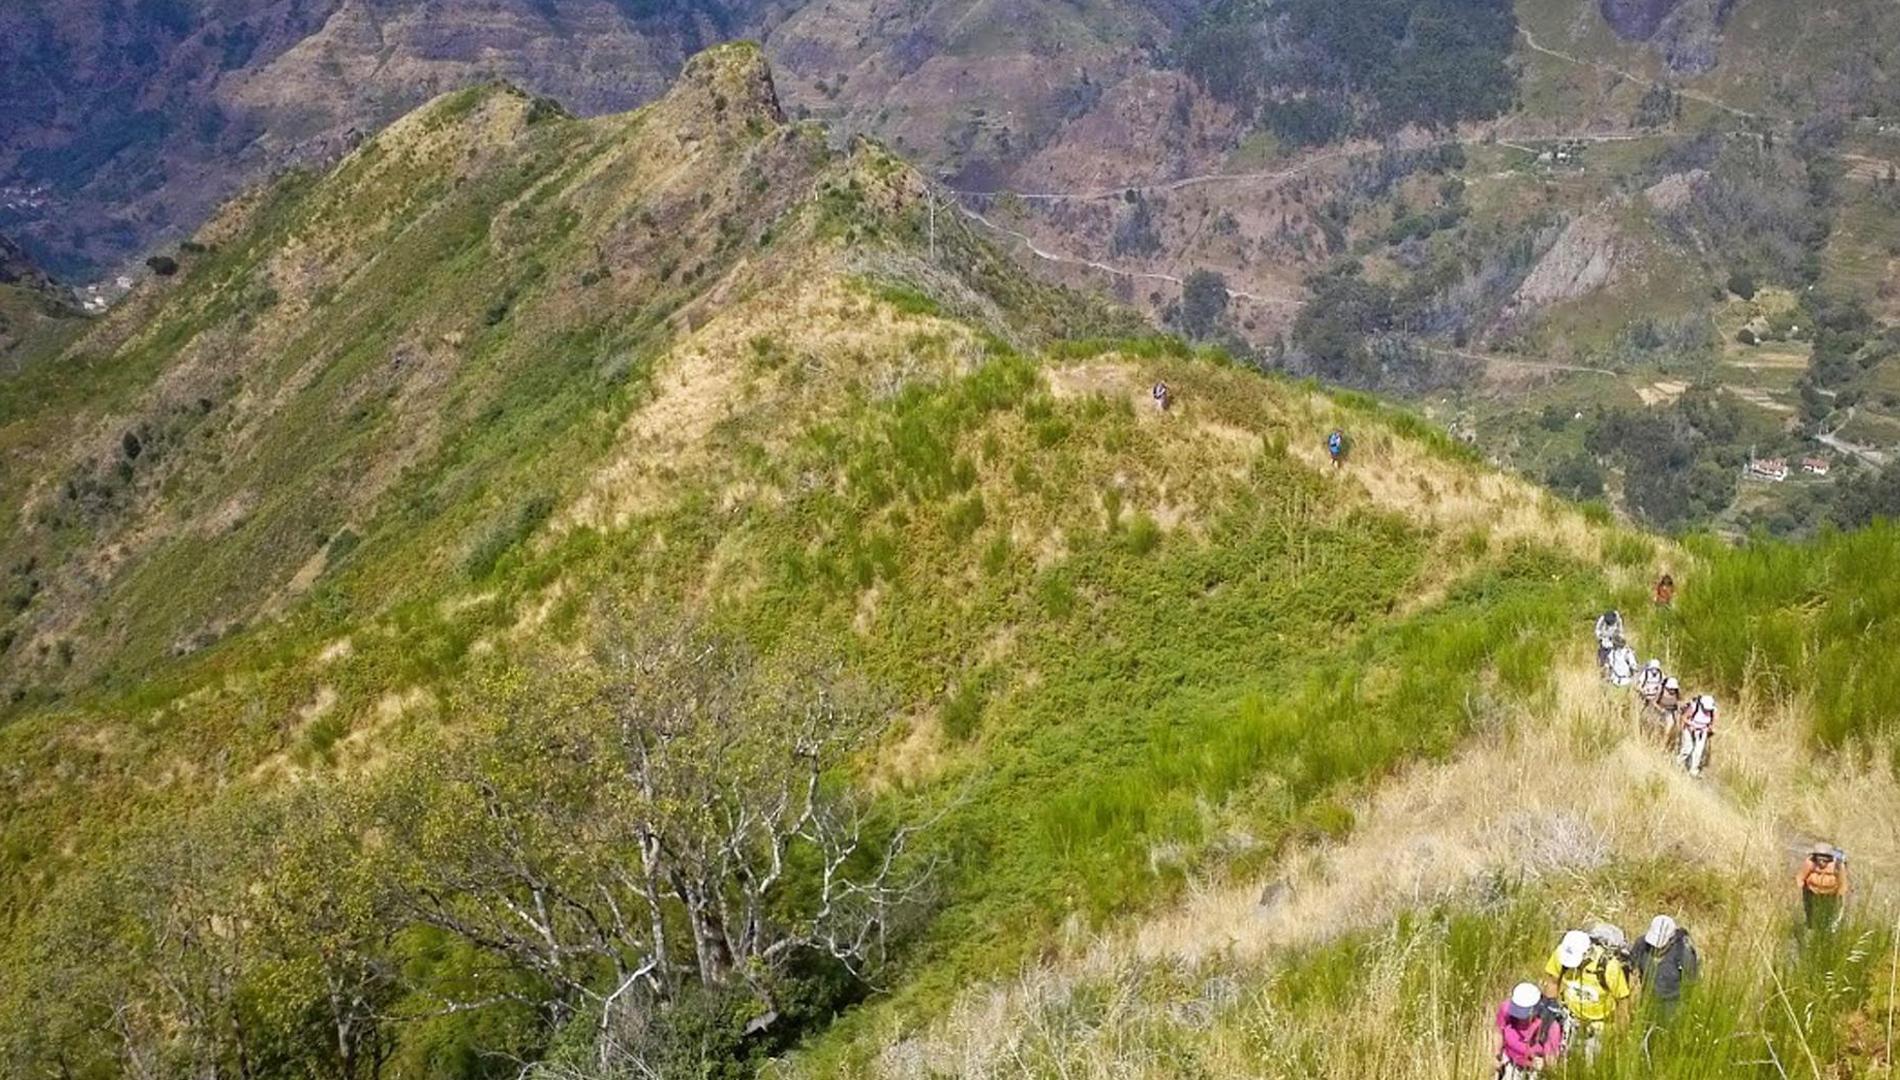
(398, 435)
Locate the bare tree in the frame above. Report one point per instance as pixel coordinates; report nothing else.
(664, 815)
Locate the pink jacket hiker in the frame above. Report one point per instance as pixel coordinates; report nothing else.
(1537, 1037)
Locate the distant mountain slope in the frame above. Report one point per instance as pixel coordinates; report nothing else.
(283, 529)
(121, 122)
(36, 312)
(360, 578)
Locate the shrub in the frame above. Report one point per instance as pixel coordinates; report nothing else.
(1144, 534)
(505, 535)
(963, 712)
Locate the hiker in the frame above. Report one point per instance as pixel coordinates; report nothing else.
(1823, 881)
(1162, 396)
(1698, 725)
(1591, 981)
(1665, 961)
(1668, 706)
(1649, 684)
(1622, 664)
(1336, 447)
(1530, 1031)
(1609, 631)
(1665, 590)
(1612, 938)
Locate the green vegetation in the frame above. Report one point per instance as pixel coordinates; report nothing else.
(1404, 996)
(1310, 65)
(1813, 623)
(639, 594)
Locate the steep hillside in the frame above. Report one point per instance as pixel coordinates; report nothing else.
(374, 510)
(658, 594)
(37, 314)
(1384, 950)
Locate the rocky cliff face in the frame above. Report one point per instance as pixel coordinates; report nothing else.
(1637, 20)
(16, 269)
(1687, 33)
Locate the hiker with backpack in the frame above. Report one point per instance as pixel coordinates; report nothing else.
(1665, 590)
(1530, 1032)
(1591, 982)
(1698, 726)
(1609, 631)
(1649, 683)
(1664, 710)
(1621, 668)
(1823, 884)
(1163, 397)
(1665, 962)
(1336, 447)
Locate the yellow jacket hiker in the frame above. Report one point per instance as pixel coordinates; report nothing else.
(1590, 979)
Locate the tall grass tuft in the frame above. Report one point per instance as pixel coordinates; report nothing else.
(1819, 621)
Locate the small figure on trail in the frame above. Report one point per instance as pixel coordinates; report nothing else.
(1823, 881)
(1530, 1030)
(1698, 725)
(1622, 664)
(1649, 683)
(1162, 396)
(1667, 706)
(1591, 982)
(1336, 447)
(1665, 590)
(1609, 631)
(1665, 961)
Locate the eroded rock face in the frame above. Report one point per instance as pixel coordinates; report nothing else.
(1687, 33)
(1583, 259)
(1637, 20)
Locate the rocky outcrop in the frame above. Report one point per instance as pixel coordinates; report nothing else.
(1636, 20)
(1581, 261)
(20, 272)
(1673, 192)
(1686, 32)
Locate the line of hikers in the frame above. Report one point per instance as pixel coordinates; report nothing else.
(1336, 444)
(1683, 724)
(1589, 980)
(1592, 975)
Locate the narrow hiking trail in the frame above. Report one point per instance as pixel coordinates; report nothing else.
(1308, 164)
(1871, 456)
(1530, 40)
(1070, 260)
(1446, 835)
(1442, 834)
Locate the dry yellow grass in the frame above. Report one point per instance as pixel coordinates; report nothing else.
(820, 322)
(1435, 835)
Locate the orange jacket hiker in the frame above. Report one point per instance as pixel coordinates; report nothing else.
(1822, 877)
